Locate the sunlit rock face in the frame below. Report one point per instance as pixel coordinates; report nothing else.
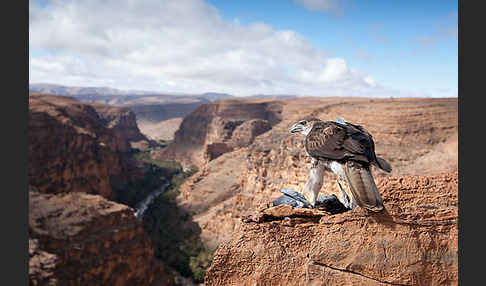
(413, 242)
(79, 147)
(216, 123)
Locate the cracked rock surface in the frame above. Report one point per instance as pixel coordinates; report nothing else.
(412, 242)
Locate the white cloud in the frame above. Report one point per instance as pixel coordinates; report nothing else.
(179, 46)
(370, 81)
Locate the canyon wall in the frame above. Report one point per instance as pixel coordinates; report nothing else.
(214, 123)
(413, 242)
(82, 239)
(123, 123)
(78, 159)
(79, 147)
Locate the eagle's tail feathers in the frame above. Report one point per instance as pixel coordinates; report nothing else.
(382, 164)
(363, 187)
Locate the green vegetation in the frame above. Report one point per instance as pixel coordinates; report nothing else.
(134, 191)
(168, 168)
(175, 236)
(164, 143)
(200, 263)
(156, 173)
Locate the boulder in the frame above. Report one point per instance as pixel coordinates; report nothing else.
(412, 242)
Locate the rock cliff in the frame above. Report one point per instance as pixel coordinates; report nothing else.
(215, 123)
(417, 136)
(79, 147)
(122, 121)
(78, 159)
(82, 239)
(413, 242)
(246, 133)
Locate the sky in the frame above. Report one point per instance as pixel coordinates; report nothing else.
(301, 47)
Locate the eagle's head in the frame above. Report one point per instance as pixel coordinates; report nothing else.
(304, 126)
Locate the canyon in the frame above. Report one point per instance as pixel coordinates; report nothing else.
(244, 155)
(417, 137)
(207, 132)
(79, 163)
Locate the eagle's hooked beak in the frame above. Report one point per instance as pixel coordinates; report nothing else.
(297, 127)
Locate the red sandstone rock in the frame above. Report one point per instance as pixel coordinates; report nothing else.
(82, 239)
(215, 123)
(123, 123)
(73, 149)
(215, 150)
(76, 238)
(413, 242)
(245, 134)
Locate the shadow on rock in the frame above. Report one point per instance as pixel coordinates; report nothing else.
(176, 237)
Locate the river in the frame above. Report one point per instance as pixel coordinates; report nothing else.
(142, 206)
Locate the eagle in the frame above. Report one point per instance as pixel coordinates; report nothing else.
(346, 149)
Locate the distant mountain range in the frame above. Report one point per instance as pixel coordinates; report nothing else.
(275, 96)
(119, 97)
(56, 89)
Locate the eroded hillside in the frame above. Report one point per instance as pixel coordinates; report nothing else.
(79, 162)
(207, 133)
(417, 136)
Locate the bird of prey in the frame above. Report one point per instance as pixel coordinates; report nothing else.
(347, 150)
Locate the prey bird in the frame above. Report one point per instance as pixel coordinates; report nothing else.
(346, 149)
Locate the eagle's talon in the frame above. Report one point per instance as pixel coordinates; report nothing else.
(293, 198)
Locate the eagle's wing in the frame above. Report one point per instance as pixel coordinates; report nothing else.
(362, 143)
(325, 141)
(335, 141)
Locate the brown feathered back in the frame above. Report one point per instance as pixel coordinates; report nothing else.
(335, 141)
